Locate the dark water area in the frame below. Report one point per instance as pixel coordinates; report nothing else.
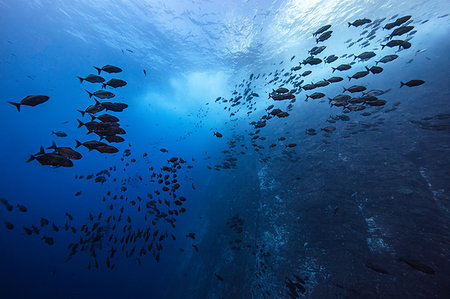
(200, 187)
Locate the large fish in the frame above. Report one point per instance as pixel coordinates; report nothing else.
(31, 100)
(92, 78)
(109, 69)
(115, 83)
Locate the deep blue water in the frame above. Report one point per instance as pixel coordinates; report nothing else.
(361, 211)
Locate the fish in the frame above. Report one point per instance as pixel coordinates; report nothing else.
(104, 118)
(101, 94)
(109, 69)
(90, 145)
(218, 277)
(400, 31)
(418, 265)
(281, 90)
(316, 50)
(66, 152)
(22, 208)
(316, 95)
(306, 73)
(355, 88)
(321, 30)
(8, 225)
(51, 159)
(397, 22)
(217, 134)
(145, 72)
(364, 56)
(312, 60)
(114, 83)
(359, 22)
(358, 75)
(387, 58)
(59, 133)
(342, 67)
(329, 129)
(330, 59)
(48, 240)
(334, 79)
(31, 100)
(114, 139)
(412, 83)
(374, 69)
(92, 79)
(376, 268)
(324, 36)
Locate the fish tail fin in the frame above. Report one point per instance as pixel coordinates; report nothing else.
(103, 85)
(53, 146)
(349, 78)
(367, 69)
(382, 47)
(349, 24)
(376, 62)
(31, 158)
(81, 79)
(80, 123)
(317, 40)
(90, 94)
(96, 102)
(345, 89)
(16, 104)
(333, 69)
(92, 117)
(77, 143)
(98, 69)
(401, 84)
(101, 138)
(82, 112)
(52, 133)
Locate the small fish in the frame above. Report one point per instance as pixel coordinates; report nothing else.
(9, 225)
(218, 276)
(48, 240)
(59, 133)
(145, 72)
(22, 208)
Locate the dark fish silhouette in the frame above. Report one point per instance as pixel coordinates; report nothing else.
(92, 78)
(412, 83)
(115, 83)
(418, 265)
(109, 69)
(359, 22)
(101, 94)
(31, 100)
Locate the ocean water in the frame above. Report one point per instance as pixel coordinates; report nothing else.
(334, 199)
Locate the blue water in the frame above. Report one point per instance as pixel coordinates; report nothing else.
(322, 219)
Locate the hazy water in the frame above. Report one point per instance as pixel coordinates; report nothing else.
(371, 192)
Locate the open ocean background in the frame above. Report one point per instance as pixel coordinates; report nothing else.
(314, 220)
